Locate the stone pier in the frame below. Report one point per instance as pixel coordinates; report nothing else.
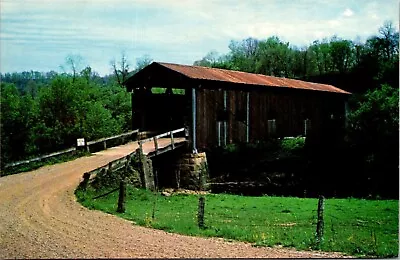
(192, 171)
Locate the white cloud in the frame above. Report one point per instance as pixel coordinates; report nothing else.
(348, 12)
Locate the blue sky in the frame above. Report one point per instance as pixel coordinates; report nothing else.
(38, 35)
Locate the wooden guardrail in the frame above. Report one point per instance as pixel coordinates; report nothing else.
(72, 149)
(154, 139)
(104, 140)
(124, 161)
(109, 167)
(113, 165)
(13, 164)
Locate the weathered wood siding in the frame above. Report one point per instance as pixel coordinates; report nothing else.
(288, 109)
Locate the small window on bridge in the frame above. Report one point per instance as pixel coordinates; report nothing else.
(178, 91)
(158, 90)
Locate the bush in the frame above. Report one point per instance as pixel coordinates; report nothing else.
(373, 135)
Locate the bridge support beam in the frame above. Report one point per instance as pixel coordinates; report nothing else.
(193, 137)
(145, 170)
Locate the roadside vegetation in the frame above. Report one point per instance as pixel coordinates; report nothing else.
(363, 228)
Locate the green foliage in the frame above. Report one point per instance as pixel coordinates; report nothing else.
(376, 116)
(293, 145)
(57, 124)
(17, 117)
(373, 133)
(158, 90)
(356, 227)
(37, 120)
(177, 91)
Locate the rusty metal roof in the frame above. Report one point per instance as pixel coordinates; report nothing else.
(205, 73)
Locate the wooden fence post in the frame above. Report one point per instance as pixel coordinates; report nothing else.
(155, 144)
(320, 221)
(128, 161)
(153, 215)
(109, 168)
(140, 148)
(121, 198)
(200, 213)
(172, 140)
(85, 181)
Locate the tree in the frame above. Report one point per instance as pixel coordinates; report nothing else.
(58, 106)
(274, 58)
(390, 39)
(373, 134)
(210, 60)
(99, 122)
(17, 116)
(243, 54)
(143, 62)
(342, 52)
(322, 55)
(74, 62)
(376, 116)
(121, 70)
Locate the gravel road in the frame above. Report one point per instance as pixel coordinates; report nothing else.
(40, 218)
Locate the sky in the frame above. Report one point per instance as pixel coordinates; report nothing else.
(39, 34)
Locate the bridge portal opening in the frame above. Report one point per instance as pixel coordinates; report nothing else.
(159, 109)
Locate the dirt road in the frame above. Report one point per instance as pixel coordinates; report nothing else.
(40, 218)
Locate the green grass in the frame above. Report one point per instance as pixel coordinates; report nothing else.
(353, 226)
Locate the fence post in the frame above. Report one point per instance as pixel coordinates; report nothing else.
(200, 213)
(140, 148)
(85, 181)
(109, 168)
(121, 198)
(155, 144)
(153, 215)
(128, 161)
(172, 140)
(320, 221)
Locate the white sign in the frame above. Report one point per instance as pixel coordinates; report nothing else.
(80, 141)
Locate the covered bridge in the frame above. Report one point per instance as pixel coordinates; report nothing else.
(220, 106)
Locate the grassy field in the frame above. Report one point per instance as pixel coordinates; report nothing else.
(353, 226)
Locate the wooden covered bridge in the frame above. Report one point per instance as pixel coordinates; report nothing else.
(220, 107)
(217, 107)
